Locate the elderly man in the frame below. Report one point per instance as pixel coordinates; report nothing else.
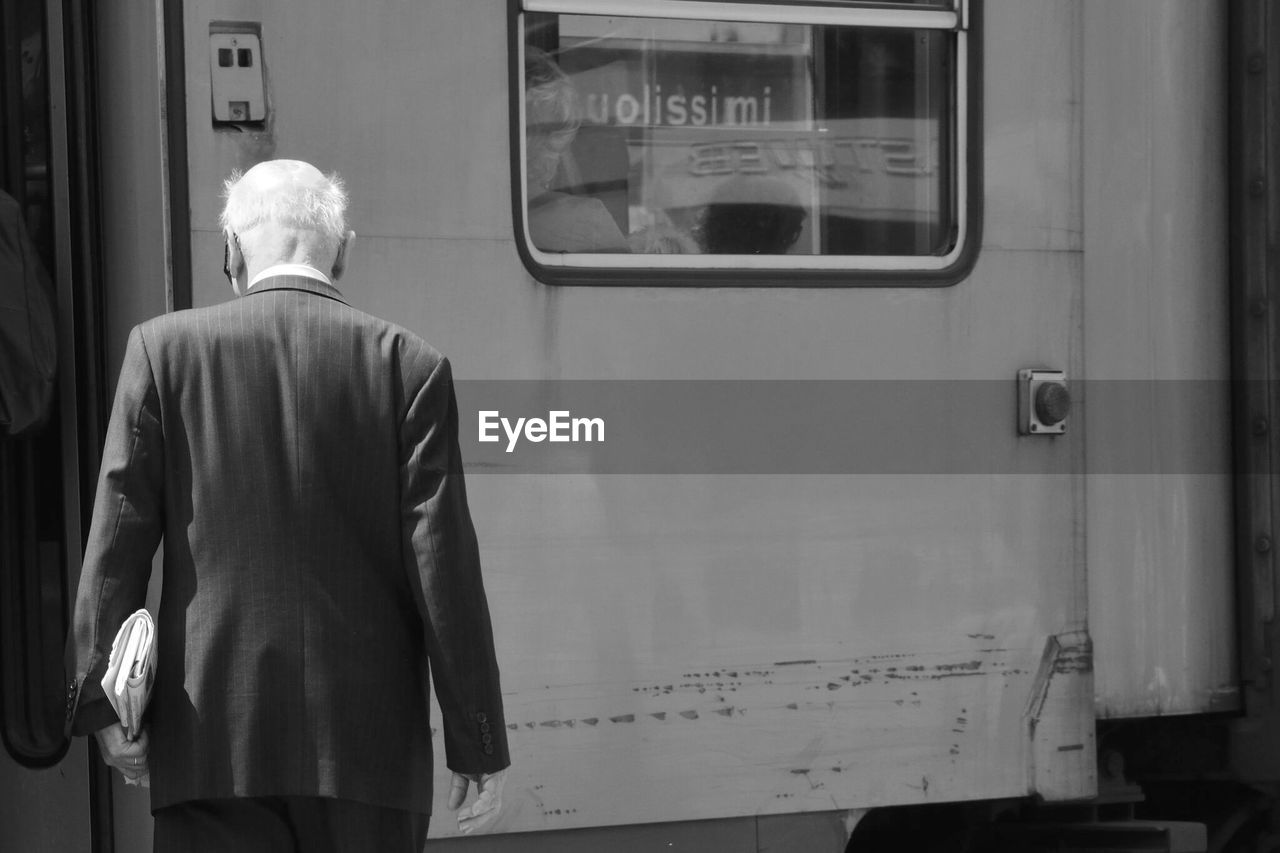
(300, 460)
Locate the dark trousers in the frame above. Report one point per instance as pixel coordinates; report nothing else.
(287, 825)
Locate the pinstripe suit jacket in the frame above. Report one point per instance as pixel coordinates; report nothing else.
(300, 460)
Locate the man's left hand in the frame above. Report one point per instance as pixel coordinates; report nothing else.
(487, 804)
(128, 755)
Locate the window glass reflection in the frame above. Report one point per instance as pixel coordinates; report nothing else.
(703, 137)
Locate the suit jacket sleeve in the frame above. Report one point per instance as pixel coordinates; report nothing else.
(127, 525)
(444, 571)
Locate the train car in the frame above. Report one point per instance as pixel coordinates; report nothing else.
(930, 344)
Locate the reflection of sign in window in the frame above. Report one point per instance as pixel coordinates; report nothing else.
(658, 82)
(879, 170)
(697, 110)
(854, 127)
(830, 156)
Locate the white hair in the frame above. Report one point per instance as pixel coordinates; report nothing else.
(553, 114)
(320, 207)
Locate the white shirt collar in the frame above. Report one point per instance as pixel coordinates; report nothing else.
(290, 269)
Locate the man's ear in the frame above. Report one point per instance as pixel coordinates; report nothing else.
(235, 264)
(344, 252)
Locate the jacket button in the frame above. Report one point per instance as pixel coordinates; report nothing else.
(488, 749)
(481, 718)
(486, 738)
(484, 727)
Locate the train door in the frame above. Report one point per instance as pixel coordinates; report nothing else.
(1157, 354)
(49, 786)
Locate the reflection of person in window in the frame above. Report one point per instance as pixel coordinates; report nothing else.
(28, 339)
(752, 215)
(662, 237)
(558, 221)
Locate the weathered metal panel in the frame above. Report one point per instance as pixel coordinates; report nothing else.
(1155, 303)
(732, 835)
(407, 100)
(815, 832)
(684, 647)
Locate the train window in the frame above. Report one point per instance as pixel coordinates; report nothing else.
(677, 142)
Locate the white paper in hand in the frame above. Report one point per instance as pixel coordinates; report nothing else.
(131, 670)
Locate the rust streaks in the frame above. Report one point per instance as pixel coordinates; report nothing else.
(898, 681)
(967, 666)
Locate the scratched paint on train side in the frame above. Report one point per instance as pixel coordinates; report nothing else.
(711, 692)
(829, 734)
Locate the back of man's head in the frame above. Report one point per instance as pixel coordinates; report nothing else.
(286, 207)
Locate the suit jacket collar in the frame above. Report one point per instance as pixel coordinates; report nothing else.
(297, 282)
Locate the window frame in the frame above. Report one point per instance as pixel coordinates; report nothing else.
(598, 269)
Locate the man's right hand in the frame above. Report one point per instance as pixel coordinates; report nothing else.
(127, 756)
(486, 805)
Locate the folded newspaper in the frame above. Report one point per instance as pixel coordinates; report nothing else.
(131, 670)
